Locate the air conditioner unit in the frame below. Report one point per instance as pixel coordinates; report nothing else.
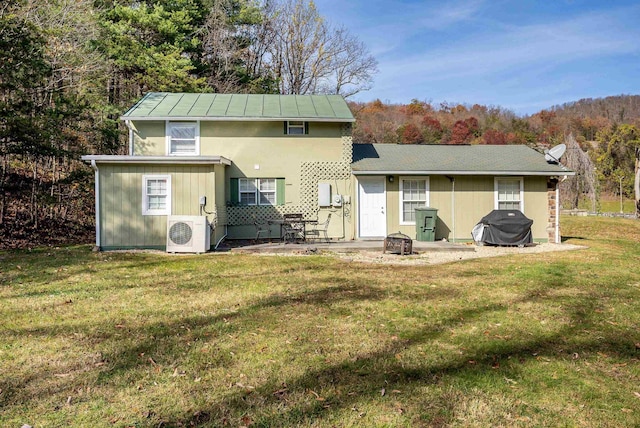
(188, 234)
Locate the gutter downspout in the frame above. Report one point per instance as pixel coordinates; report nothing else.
(557, 237)
(221, 239)
(453, 207)
(94, 166)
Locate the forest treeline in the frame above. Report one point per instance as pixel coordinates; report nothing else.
(70, 68)
(422, 122)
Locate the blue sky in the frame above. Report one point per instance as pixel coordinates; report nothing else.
(520, 55)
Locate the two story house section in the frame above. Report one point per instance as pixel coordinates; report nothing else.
(232, 158)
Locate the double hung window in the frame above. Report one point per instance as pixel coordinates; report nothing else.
(509, 194)
(257, 191)
(183, 138)
(414, 192)
(156, 194)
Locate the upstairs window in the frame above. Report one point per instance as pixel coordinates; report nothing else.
(509, 194)
(183, 138)
(296, 127)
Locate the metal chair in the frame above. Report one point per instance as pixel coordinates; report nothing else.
(321, 228)
(292, 228)
(262, 227)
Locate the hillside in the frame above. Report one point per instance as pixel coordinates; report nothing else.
(619, 108)
(424, 123)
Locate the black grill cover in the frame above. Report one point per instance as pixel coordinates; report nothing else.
(506, 227)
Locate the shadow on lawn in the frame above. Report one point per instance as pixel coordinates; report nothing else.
(359, 382)
(129, 349)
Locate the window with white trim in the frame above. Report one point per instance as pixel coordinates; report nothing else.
(257, 191)
(156, 195)
(509, 193)
(296, 127)
(183, 138)
(414, 192)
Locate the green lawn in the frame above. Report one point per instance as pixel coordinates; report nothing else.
(148, 340)
(610, 205)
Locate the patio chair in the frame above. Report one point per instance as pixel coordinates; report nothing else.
(292, 228)
(262, 227)
(320, 228)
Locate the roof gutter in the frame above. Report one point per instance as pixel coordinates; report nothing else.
(155, 160)
(437, 172)
(235, 119)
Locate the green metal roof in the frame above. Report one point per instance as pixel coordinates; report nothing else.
(182, 106)
(452, 159)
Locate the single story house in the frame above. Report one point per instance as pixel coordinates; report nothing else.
(231, 160)
(463, 182)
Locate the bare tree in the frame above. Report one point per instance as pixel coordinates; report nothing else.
(584, 182)
(236, 37)
(221, 48)
(353, 66)
(309, 56)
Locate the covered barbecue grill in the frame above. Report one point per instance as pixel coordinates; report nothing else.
(503, 227)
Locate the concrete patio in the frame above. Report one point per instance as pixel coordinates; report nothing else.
(337, 246)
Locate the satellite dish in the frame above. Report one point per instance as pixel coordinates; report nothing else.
(554, 154)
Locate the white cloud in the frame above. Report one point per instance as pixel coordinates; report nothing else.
(514, 50)
(448, 14)
(521, 47)
(476, 51)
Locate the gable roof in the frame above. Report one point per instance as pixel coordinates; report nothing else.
(452, 159)
(187, 106)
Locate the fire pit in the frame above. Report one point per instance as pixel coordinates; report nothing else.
(398, 243)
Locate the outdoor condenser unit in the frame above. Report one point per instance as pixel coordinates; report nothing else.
(188, 234)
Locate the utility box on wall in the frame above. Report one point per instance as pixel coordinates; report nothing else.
(324, 194)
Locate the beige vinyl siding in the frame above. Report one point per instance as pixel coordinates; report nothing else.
(261, 150)
(257, 149)
(229, 138)
(393, 209)
(474, 198)
(149, 138)
(536, 206)
(124, 226)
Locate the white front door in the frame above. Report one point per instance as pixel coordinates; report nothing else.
(372, 207)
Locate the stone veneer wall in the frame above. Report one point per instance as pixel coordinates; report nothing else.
(552, 184)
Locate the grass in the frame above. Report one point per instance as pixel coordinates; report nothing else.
(142, 340)
(610, 204)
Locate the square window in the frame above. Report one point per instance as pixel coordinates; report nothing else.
(182, 138)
